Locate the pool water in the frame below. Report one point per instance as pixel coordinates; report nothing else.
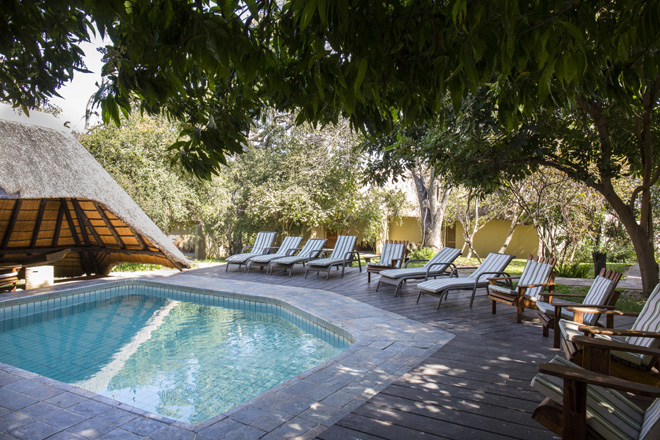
(183, 360)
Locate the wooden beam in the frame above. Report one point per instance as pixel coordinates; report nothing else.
(105, 250)
(37, 225)
(138, 237)
(109, 225)
(81, 215)
(82, 224)
(12, 223)
(58, 225)
(76, 239)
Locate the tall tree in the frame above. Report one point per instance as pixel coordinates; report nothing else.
(398, 157)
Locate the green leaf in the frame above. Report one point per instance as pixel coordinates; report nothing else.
(307, 14)
(362, 70)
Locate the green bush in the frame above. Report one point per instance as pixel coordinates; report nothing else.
(136, 267)
(573, 270)
(422, 254)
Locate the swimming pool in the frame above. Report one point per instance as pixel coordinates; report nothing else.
(188, 354)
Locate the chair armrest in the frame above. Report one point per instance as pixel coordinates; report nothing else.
(496, 279)
(429, 266)
(593, 330)
(551, 292)
(604, 344)
(348, 256)
(591, 378)
(291, 252)
(588, 308)
(245, 248)
(410, 261)
(570, 295)
(529, 286)
(315, 254)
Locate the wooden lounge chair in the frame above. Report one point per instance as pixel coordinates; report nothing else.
(493, 264)
(582, 404)
(261, 246)
(602, 294)
(632, 353)
(391, 257)
(288, 248)
(537, 275)
(310, 251)
(342, 255)
(435, 267)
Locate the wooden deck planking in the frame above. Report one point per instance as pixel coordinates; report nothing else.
(476, 387)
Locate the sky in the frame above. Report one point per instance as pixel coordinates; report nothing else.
(76, 93)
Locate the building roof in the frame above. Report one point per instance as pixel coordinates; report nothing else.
(54, 196)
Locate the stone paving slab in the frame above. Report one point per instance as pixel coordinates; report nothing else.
(386, 346)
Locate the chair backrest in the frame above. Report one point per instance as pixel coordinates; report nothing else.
(345, 243)
(288, 243)
(444, 255)
(264, 240)
(312, 245)
(648, 320)
(392, 250)
(600, 293)
(492, 263)
(536, 271)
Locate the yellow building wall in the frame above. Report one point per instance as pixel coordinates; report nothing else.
(487, 239)
(408, 229)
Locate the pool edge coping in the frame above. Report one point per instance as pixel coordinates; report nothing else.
(386, 346)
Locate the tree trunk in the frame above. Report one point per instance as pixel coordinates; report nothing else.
(433, 198)
(641, 237)
(640, 232)
(514, 222)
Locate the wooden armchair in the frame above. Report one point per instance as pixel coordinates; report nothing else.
(9, 277)
(537, 275)
(392, 256)
(582, 404)
(602, 295)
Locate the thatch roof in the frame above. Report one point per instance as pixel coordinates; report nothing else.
(54, 195)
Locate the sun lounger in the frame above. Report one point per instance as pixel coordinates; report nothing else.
(436, 266)
(310, 251)
(288, 248)
(493, 265)
(261, 246)
(342, 255)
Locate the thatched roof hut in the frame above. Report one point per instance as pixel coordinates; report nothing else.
(54, 196)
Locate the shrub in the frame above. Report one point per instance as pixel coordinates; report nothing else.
(573, 270)
(422, 254)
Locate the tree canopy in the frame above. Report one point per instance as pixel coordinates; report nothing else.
(215, 66)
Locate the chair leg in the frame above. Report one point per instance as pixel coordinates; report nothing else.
(493, 306)
(556, 336)
(307, 270)
(368, 277)
(396, 291)
(419, 296)
(474, 292)
(519, 312)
